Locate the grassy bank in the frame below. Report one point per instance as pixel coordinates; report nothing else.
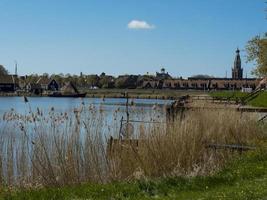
(243, 178)
(140, 93)
(120, 93)
(259, 101)
(228, 94)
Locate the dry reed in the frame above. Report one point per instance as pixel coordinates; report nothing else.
(57, 149)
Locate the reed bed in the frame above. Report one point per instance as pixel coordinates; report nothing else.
(56, 149)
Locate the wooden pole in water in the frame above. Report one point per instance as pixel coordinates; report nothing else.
(120, 136)
(127, 115)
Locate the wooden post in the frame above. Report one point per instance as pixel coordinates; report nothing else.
(127, 115)
(127, 107)
(120, 136)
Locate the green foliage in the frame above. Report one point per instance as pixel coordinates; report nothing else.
(120, 83)
(3, 70)
(92, 80)
(257, 52)
(105, 82)
(126, 81)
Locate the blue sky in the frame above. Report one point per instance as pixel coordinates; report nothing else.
(187, 37)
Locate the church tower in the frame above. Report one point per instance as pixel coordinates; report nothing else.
(237, 71)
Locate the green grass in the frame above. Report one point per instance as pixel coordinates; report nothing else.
(228, 94)
(259, 101)
(243, 178)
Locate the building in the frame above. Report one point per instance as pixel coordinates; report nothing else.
(237, 82)
(42, 84)
(8, 83)
(48, 84)
(162, 75)
(34, 88)
(203, 84)
(237, 71)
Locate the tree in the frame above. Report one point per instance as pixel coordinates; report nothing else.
(257, 52)
(3, 70)
(103, 74)
(126, 81)
(92, 80)
(106, 82)
(45, 75)
(120, 83)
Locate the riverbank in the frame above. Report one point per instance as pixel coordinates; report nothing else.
(242, 178)
(141, 93)
(120, 93)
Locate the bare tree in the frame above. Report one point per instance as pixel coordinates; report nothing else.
(3, 70)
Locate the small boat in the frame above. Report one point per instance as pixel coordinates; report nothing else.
(69, 90)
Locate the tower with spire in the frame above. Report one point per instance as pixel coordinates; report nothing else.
(237, 70)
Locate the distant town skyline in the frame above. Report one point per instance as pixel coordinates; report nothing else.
(128, 37)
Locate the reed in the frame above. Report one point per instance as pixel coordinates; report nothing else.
(56, 149)
(180, 148)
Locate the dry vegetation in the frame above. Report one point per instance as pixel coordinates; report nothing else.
(56, 149)
(179, 149)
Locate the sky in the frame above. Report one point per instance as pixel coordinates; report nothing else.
(187, 37)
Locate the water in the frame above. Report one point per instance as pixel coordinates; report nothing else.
(110, 110)
(67, 104)
(44, 121)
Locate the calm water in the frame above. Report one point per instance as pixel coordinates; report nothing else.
(64, 120)
(110, 109)
(67, 104)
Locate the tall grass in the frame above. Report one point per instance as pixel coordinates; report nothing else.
(180, 149)
(56, 149)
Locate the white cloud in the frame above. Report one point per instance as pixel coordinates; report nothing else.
(137, 24)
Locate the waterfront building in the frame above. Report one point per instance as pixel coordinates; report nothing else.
(8, 83)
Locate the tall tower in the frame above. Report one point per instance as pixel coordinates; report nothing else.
(237, 71)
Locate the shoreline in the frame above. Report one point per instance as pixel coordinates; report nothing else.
(164, 94)
(97, 96)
